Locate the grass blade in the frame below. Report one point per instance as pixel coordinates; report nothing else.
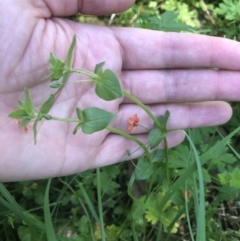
(186, 174)
(100, 211)
(47, 215)
(89, 203)
(12, 205)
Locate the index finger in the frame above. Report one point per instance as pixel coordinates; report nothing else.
(148, 49)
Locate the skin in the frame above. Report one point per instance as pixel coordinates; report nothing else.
(166, 71)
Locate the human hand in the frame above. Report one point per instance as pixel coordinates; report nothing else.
(163, 70)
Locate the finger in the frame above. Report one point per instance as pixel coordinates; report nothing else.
(182, 116)
(67, 8)
(182, 85)
(147, 49)
(116, 148)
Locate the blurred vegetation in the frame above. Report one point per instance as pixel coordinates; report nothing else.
(133, 210)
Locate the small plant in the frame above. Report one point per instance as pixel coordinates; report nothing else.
(92, 119)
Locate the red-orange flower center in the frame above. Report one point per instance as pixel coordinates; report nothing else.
(133, 121)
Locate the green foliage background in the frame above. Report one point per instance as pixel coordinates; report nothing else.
(133, 210)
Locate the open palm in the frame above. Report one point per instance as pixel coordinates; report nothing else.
(158, 68)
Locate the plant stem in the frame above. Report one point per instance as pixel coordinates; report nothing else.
(112, 129)
(130, 137)
(166, 156)
(64, 119)
(100, 204)
(84, 72)
(144, 107)
(78, 81)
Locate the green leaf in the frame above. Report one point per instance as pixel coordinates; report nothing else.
(99, 69)
(28, 106)
(70, 52)
(56, 68)
(224, 178)
(163, 120)
(21, 104)
(167, 23)
(154, 138)
(235, 178)
(55, 84)
(80, 115)
(108, 185)
(79, 126)
(83, 225)
(25, 121)
(143, 170)
(47, 105)
(96, 119)
(178, 198)
(29, 233)
(108, 87)
(158, 155)
(18, 114)
(231, 178)
(227, 193)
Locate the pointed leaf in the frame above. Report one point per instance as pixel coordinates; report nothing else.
(28, 105)
(21, 104)
(163, 119)
(154, 138)
(108, 87)
(56, 68)
(99, 69)
(79, 126)
(96, 119)
(70, 52)
(18, 114)
(47, 105)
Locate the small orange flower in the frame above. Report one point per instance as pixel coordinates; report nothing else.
(133, 121)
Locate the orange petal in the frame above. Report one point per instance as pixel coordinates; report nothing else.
(131, 121)
(131, 128)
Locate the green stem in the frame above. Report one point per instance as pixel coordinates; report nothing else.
(166, 156)
(64, 119)
(84, 72)
(100, 204)
(64, 80)
(78, 81)
(144, 107)
(112, 129)
(130, 137)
